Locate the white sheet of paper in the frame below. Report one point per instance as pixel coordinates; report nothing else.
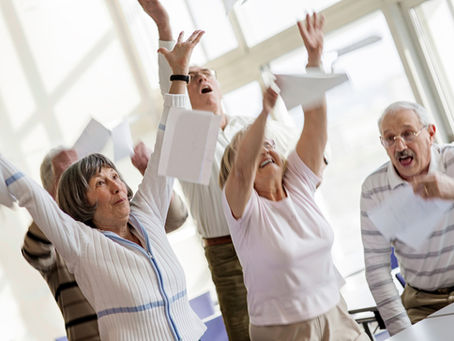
(408, 217)
(307, 89)
(189, 144)
(122, 141)
(92, 140)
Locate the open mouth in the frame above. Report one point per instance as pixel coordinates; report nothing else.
(405, 160)
(266, 162)
(206, 89)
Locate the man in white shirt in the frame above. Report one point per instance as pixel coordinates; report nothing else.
(205, 201)
(407, 135)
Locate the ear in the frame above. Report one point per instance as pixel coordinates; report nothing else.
(432, 130)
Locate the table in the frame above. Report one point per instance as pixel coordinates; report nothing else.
(438, 326)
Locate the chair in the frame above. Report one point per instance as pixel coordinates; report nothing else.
(215, 329)
(202, 305)
(395, 265)
(62, 338)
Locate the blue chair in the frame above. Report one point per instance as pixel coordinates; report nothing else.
(202, 305)
(394, 265)
(63, 338)
(215, 330)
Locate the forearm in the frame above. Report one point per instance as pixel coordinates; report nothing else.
(250, 146)
(164, 69)
(312, 142)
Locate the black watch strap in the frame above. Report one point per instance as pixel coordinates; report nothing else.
(180, 78)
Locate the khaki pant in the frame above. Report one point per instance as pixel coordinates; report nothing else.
(419, 304)
(335, 325)
(227, 276)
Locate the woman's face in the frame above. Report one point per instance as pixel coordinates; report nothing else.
(270, 167)
(110, 194)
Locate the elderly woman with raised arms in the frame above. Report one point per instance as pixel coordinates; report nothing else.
(281, 237)
(115, 243)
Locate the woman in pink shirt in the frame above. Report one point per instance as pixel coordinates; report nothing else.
(281, 237)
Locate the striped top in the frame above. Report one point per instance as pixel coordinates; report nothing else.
(138, 293)
(80, 318)
(428, 268)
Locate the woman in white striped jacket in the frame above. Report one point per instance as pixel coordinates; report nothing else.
(113, 242)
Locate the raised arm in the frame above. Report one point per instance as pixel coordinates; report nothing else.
(312, 142)
(178, 212)
(158, 13)
(239, 185)
(155, 191)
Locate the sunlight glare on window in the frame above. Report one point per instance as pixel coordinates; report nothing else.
(261, 19)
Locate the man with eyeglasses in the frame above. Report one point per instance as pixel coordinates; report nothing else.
(205, 201)
(407, 135)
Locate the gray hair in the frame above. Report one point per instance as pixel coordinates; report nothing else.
(74, 185)
(419, 110)
(46, 170)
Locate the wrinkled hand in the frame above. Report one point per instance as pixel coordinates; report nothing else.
(141, 156)
(60, 163)
(434, 185)
(158, 13)
(180, 56)
(269, 99)
(312, 33)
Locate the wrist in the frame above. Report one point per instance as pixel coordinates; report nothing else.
(179, 77)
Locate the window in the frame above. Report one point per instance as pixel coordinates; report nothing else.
(260, 19)
(434, 22)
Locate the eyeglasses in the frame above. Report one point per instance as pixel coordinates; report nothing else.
(207, 73)
(407, 136)
(269, 144)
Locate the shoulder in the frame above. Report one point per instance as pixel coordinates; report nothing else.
(377, 179)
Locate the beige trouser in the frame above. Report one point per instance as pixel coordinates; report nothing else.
(419, 304)
(335, 325)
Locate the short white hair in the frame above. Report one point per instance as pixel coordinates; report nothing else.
(419, 110)
(46, 170)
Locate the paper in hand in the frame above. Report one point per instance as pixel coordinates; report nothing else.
(122, 141)
(95, 136)
(408, 217)
(307, 89)
(189, 145)
(92, 140)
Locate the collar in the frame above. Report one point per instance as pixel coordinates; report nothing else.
(436, 164)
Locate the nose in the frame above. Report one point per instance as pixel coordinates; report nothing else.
(114, 186)
(400, 143)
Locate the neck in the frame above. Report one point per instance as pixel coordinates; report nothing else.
(274, 192)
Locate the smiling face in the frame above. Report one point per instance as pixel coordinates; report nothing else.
(110, 195)
(270, 167)
(410, 158)
(203, 90)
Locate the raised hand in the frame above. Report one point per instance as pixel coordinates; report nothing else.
(141, 157)
(180, 56)
(269, 100)
(158, 13)
(312, 33)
